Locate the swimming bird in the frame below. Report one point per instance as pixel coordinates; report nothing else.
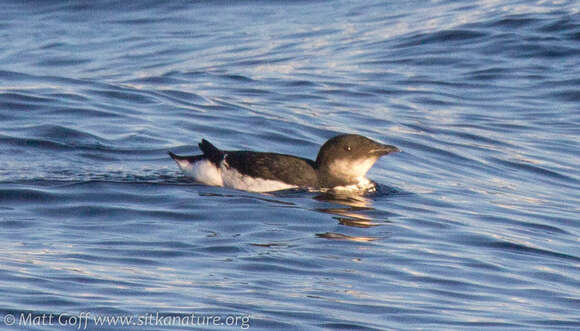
(342, 162)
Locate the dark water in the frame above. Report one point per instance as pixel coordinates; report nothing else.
(476, 224)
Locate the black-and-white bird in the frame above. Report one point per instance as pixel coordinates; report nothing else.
(342, 162)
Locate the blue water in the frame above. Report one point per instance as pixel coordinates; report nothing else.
(475, 224)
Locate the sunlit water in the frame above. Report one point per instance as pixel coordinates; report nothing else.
(475, 224)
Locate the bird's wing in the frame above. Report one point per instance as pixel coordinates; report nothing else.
(211, 152)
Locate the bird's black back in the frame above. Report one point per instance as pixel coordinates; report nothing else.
(286, 168)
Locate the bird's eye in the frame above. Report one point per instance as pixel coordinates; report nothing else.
(347, 148)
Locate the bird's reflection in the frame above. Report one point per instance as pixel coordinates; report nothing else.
(349, 208)
(353, 214)
(340, 236)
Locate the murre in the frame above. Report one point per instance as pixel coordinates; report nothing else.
(342, 162)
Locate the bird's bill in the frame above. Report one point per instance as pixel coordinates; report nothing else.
(385, 149)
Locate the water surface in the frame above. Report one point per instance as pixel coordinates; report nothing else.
(475, 224)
